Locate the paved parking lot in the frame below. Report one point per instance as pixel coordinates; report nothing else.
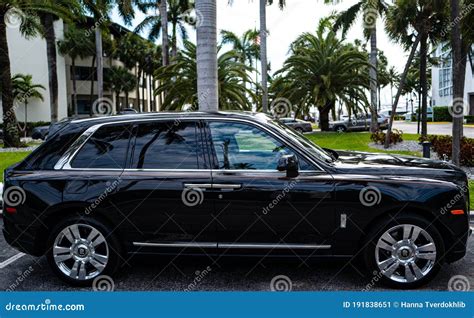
(187, 273)
(433, 128)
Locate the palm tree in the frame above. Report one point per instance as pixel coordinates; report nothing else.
(76, 44)
(180, 80)
(459, 69)
(66, 10)
(426, 19)
(176, 17)
(393, 79)
(26, 13)
(100, 11)
(263, 48)
(23, 90)
(119, 80)
(371, 11)
(246, 45)
(321, 70)
(206, 53)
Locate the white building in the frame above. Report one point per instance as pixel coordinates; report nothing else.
(28, 56)
(442, 80)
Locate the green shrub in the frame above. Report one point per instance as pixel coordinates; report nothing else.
(443, 145)
(469, 119)
(441, 113)
(30, 126)
(395, 137)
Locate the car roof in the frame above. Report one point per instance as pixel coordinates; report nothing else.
(171, 115)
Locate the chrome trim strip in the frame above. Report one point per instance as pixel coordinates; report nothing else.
(64, 161)
(273, 246)
(226, 186)
(176, 244)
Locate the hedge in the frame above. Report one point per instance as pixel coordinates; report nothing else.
(441, 113)
(443, 145)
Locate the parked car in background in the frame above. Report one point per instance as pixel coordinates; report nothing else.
(40, 132)
(100, 190)
(127, 111)
(410, 116)
(1, 134)
(297, 124)
(357, 123)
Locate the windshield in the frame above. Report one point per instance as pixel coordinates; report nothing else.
(303, 141)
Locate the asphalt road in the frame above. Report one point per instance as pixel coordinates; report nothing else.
(27, 273)
(433, 128)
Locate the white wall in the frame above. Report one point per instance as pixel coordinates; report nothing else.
(28, 56)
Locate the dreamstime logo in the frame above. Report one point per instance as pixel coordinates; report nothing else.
(459, 283)
(192, 196)
(199, 276)
(280, 107)
(370, 196)
(193, 17)
(13, 18)
(14, 196)
(103, 107)
(370, 18)
(460, 108)
(281, 283)
(103, 283)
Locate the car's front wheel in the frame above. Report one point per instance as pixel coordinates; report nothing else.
(340, 129)
(81, 249)
(406, 253)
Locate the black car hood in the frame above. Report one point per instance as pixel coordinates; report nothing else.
(388, 165)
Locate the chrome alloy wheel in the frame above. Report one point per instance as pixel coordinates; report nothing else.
(405, 253)
(80, 251)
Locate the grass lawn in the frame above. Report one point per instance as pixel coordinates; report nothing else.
(9, 158)
(357, 141)
(471, 192)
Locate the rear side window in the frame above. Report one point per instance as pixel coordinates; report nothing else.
(166, 145)
(106, 149)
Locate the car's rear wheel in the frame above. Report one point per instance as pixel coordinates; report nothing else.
(407, 253)
(81, 249)
(300, 130)
(340, 129)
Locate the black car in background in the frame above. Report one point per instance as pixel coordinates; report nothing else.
(229, 184)
(40, 132)
(297, 124)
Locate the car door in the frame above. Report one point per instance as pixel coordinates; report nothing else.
(163, 211)
(258, 208)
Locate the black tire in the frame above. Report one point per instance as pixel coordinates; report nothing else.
(298, 129)
(369, 252)
(340, 129)
(113, 246)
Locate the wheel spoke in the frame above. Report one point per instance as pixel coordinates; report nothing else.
(92, 235)
(431, 256)
(62, 257)
(82, 271)
(99, 266)
(74, 270)
(427, 248)
(387, 237)
(98, 240)
(416, 232)
(61, 250)
(389, 266)
(384, 245)
(100, 258)
(407, 231)
(408, 274)
(75, 231)
(417, 271)
(68, 235)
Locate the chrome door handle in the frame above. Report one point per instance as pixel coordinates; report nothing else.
(198, 185)
(226, 186)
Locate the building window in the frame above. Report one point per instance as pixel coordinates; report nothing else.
(445, 75)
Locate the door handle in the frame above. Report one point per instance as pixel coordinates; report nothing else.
(198, 185)
(226, 186)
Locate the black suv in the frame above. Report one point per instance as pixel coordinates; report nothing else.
(228, 184)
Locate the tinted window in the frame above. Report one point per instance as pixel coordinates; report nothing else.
(166, 145)
(106, 149)
(242, 146)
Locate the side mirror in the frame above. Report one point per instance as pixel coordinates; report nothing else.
(288, 163)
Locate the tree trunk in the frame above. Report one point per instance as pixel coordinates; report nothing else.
(11, 135)
(208, 99)
(459, 69)
(150, 93)
(126, 99)
(137, 104)
(162, 7)
(263, 53)
(47, 21)
(423, 84)
(93, 72)
(117, 102)
(324, 117)
(26, 118)
(100, 64)
(374, 125)
(74, 87)
(400, 89)
(145, 104)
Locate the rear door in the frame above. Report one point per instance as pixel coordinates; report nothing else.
(163, 190)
